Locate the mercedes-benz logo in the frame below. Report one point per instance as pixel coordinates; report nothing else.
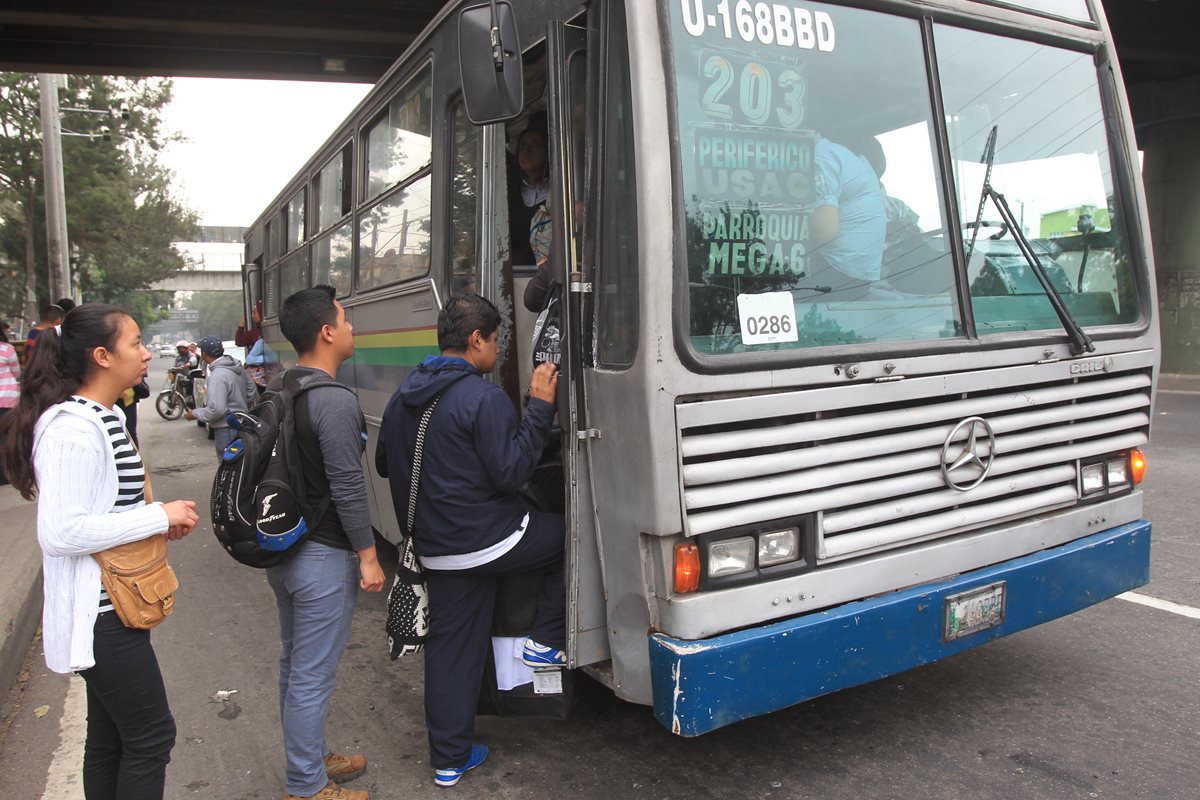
(966, 463)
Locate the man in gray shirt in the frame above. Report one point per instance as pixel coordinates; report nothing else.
(229, 389)
(316, 587)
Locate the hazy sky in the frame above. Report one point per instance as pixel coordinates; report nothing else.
(247, 139)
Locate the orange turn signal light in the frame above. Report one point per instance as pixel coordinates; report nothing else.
(687, 567)
(1137, 463)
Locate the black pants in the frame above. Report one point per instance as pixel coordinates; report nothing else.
(130, 729)
(460, 621)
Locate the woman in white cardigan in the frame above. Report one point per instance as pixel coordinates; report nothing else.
(66, 444)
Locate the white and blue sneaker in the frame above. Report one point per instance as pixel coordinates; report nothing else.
(449, 777)
(539, 655)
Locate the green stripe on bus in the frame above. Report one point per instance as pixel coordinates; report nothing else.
(392, 356)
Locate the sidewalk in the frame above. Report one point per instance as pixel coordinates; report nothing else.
(20, 583)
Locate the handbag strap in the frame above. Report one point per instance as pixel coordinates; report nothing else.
(415, 483)
(147, 489)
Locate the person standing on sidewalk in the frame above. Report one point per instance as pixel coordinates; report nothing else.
(10, 382)
(51, 317)
(472, 526)
(66, 445)
(230, 390)
(317, 586)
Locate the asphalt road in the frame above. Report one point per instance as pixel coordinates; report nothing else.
(1104, 704)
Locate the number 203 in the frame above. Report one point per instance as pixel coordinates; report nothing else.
(754, 93)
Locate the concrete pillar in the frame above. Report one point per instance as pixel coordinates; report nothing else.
(1168, 124)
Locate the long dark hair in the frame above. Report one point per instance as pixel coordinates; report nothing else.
(57, 368)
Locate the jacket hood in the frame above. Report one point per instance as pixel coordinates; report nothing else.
(432, 377)
(227, 362)
(75, 409)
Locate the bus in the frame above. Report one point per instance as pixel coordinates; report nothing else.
(858, 334)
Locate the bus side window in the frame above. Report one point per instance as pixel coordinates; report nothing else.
(464, 263)
(617, 269)
(394, 231)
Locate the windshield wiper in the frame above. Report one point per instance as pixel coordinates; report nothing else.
(1080, 342)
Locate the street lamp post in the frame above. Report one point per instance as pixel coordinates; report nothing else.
(56, 201)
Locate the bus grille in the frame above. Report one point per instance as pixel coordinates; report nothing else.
(871, 470)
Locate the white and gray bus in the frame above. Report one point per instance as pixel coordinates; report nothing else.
(859, 336)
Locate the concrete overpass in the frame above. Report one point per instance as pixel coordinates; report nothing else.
(351, 40)
(214, 262)
(357, 40)
(190, 280)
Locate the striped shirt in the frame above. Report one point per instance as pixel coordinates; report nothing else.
(10, 372)
(131, 473)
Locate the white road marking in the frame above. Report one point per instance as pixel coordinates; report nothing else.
(1178, 391)
(64, 778)
(1162, 605)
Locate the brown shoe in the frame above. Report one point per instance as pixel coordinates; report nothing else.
(332, 792)
(344, 768)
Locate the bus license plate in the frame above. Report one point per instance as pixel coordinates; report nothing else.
(974, 611)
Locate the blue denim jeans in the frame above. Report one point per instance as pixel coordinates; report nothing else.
(222, 438)
(315, 591)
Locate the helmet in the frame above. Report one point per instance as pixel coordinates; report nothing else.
(183, 343)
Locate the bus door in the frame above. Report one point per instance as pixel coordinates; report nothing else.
(569, 124)
(251, 289)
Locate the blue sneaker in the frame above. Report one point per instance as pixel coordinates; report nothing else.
(449, 777)
(539, 655)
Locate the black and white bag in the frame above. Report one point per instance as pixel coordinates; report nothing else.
(547, 332)
(408, 600)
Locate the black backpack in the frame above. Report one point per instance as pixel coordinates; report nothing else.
(259, 511)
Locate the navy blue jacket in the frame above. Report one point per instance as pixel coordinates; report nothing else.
(477, 455)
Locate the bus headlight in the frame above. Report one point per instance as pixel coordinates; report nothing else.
(730, 556)
(736, 556)
(1113, 474)
(1118, 474)
(778, 547)
(1092, 478)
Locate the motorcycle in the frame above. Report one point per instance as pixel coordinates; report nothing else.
(182, 392)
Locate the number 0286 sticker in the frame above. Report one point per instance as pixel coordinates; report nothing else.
(767, 318)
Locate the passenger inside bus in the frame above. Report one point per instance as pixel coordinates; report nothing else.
(849, 224)
(529, 189)
(911, 261)
(901, 219)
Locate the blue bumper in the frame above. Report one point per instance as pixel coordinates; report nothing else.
(703, 685)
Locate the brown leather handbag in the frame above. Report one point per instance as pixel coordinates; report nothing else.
(139, 581)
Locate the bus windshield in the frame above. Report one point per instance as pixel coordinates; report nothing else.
(813, 207)
(1053, 167)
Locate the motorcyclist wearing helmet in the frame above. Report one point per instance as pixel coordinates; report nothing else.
(186, 360)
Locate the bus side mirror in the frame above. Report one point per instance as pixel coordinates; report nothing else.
(489, 58)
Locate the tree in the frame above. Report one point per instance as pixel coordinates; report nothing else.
(220, 313)
(121, 215)
(20, 188)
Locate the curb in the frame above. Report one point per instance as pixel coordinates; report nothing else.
(20, 584)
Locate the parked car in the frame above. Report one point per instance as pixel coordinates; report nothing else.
(166, 351)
